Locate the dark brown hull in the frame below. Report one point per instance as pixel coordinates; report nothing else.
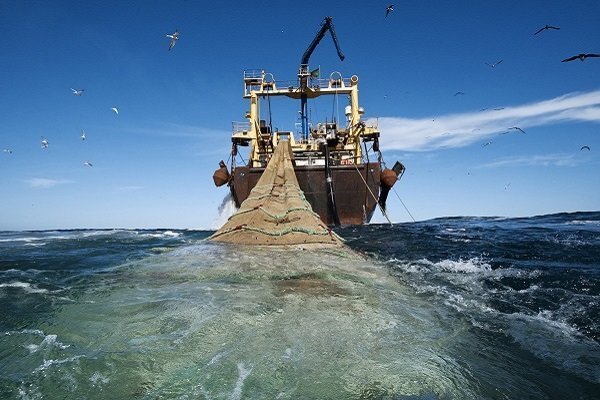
(355, 203)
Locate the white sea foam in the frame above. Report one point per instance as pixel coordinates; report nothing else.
(101, 233)
(27, 287)
(243, 374)
(35, 244)
(49, 341)
(217, 357)
(98, 379)
(584, 222)
(160, 235)
(473, 265)
(470, 266)
(21, 239)
(287, 353)
(48, 363)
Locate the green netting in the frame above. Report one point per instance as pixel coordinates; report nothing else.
(276, 211)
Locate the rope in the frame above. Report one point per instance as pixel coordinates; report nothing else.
(396, 193)
(374, 198)
(277, 217)
(279, 233)
(406, 208)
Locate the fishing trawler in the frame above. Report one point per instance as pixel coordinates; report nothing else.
(331, 158)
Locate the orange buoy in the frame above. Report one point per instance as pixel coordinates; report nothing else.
(221, 175)
(388, 177)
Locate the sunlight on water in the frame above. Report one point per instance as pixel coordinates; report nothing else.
(212, 321)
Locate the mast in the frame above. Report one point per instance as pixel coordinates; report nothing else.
(304, 73)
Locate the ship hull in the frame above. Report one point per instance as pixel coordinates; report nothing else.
(354, 202)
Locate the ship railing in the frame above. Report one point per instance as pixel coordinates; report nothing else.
(258, 77)
(243, 126)
(253, 74)
(314, 83)
(371, 122)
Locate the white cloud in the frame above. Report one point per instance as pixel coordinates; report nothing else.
(45, 183)
(458, 130)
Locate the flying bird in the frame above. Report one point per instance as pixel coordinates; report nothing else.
(581, 56)
(174, 38)
(88, 164)
(547, 27)
(9, 151)
(458, 93)
(115, 110)
(585, 148)
(44, 143)
(494, 64)
(486, 144)
(82, 134)
(516, 128)
(77, 92)
(389, 9)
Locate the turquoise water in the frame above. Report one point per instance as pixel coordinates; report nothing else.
(444, 309)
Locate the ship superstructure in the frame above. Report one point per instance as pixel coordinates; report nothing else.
(331, 158)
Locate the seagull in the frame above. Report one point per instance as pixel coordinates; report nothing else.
(547, 27)
(77, 92)
(486, 144)
(82, 134)
(457, 93)
(115, 110)
(174, 38)
(507, 186)
(581, 56)
(585, 148)
(494, 64)
(389, 9)
(9, 151)
(44, 143)
(516, 128)
(87, 164)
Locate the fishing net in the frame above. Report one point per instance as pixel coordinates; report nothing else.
(276, 211)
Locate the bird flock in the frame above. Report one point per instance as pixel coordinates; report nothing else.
(45, 143)
(581, 57)
(174, 38)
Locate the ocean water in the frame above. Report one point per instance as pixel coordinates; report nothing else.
(454, 308)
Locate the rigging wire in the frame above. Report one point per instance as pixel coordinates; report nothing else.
(375, 198)
(269, 105)
(370, 191)
(336, 107)
(406, 208)
(395, 192)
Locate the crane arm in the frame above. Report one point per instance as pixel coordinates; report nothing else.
(327, 25)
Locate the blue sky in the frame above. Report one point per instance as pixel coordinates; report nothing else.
(153, 163)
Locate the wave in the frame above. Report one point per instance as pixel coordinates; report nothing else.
(474, 265)
(26, 286)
